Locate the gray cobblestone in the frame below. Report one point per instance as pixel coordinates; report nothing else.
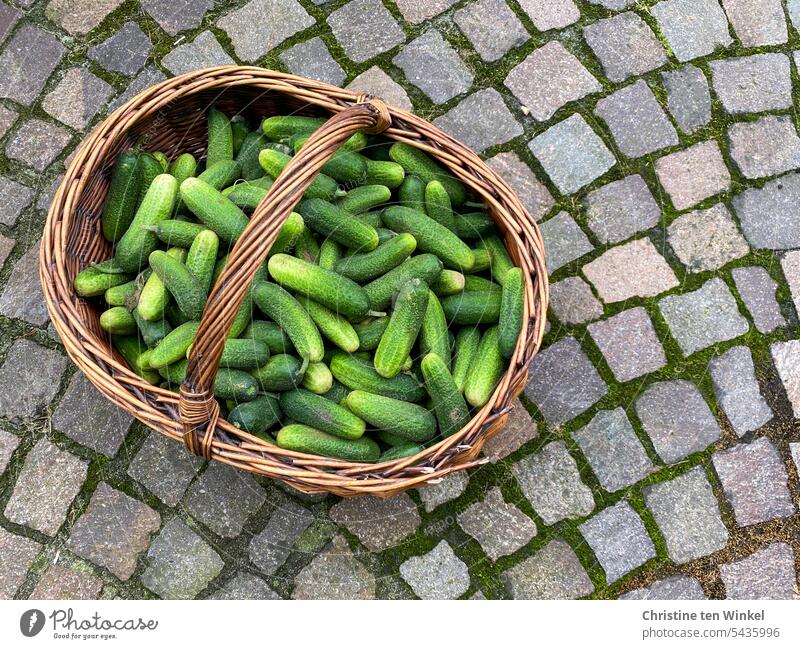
(37, 368)
(377, 522)
(125, 51)
(365, 28)
(629, 343)
(564, 241)
(770, 215)
(625, 45)
(766, 147)
(61, 582)
(450, 488)
(499, 527)
(757, 290)
(8, 18)
(177, 15)
(694, 174)
(165, 467)
(554, 572)
(620, 209)
(22, 296)
(531, 191)
(204, 51)
(8, 444)
(6, 246)
(520, 429)
(480, 121)
(757, 22)
(439, 574)
(335, 574)
(790, 263)
(550, 14)
(37, 143)
(312, 59)
(7, 118)
(28, 60)
(693, 28)
(417, 11)
(491, 27)
(786, 356)
(270, 547)
(377, 82)
(15, 197)
(18, 554)
(768, 573)
(672, 588)
(80, 16)
(573, 302)
(688, 98)
(706, 239)
(753, 84)
(243, 585)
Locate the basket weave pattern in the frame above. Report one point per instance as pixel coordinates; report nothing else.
(171, 117)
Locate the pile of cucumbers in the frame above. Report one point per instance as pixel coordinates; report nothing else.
(383, 317)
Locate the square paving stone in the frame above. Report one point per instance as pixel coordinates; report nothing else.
(702, 318)
(790, 264)
(693, 28)
(177, 15)
(519, 430)
(125, 51)
(61, 582)
(706, 239)
(480, 121)
(636, 120)
(7, 119)
(753, 84)
(687, 513)
(448, 488)
(6, 246)
(620, 209)
(365, 28)
(554, 572)
(754, 481)
(491, 27)
(270, 547)
(252, 36)
(551, 482)
(48, 483)
(629, 343)
(531, 191)
(77, 98)
(625, 45)
(377, 82)
(563, 382)
(244, 586)
(18, 554)
(37, 143)
(678, 587)
(438, 574)
(86, 416)
(615, 5)
(550, 14)
(35, 368)
(418, 11)
(564, 241)
(734, 379)
(144, 79)
(113, 531)
(786, 356)
(634, 269)
(224, 499)
(379, 523)
(80, 16)
(618, 539)
(431, 64)
(203, 52)
(335, 574)
(573, 302)
(165, 467)
(757, 290)
(770, 215)
(572, 154)
(615, 454)
(677, 419)
(766, 147)
(179, 563)
(15, 197)
(8, 18)
(688, 98)
(8, 444)
(27, 61)
(757, 22)
(22, 297)
(312, 59)
(768, 573)
(549, 78)
(499, 527)
(694, 174)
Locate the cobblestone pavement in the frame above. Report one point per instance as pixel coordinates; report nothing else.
(655, 450)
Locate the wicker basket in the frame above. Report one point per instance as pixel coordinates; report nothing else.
(171, 117)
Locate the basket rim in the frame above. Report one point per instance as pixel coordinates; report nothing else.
(303, 471)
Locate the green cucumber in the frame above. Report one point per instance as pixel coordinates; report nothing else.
(289, 233)
(358, 374)
(162, 160)
(155, 296)
(91, 282)
(247, 157)
(118, 320)
(403, 328)
(174, 373)
(473, 307)
(384, 172)
(371, 218)
(329, 253)
(380, 291)
(418, 163)
(220, 138)
(123, 294)
(183, 167)
(317, 378)
(132, 350)
(306, 246)
(245, 196)
(389, 438)
(139, 241)
(282, 127)
(280, 373)
(438, 205)
(152, 332)
(174, 345)
(501, 262)
(336, 393)
(221, 174)
(236, 385)
(178, 233)
(366, 266)
(412, 193)
(450, 282)
(485, 370)
(466, 346)
(123, 196)
(256, 416)
(274, 162)
(407, 420)
(345, 165)
(400, 451)
(150, 169)
(271, 335)
(369, 333)
(473, 225)
(434, 335)
(431, 236)
(330, 289)
(284, 309)
(185, 288)
(483, 260)
(364, 198)
(212, 209)
(449, 406)
(474, 283)
(304, 439)
(241, 354)
(511, 308)
(332, 221)
(333, 326)
(316, 411)
(202, 257)
(384, 234)
(239, 131)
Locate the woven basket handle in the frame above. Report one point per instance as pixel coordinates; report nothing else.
(199, 410)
